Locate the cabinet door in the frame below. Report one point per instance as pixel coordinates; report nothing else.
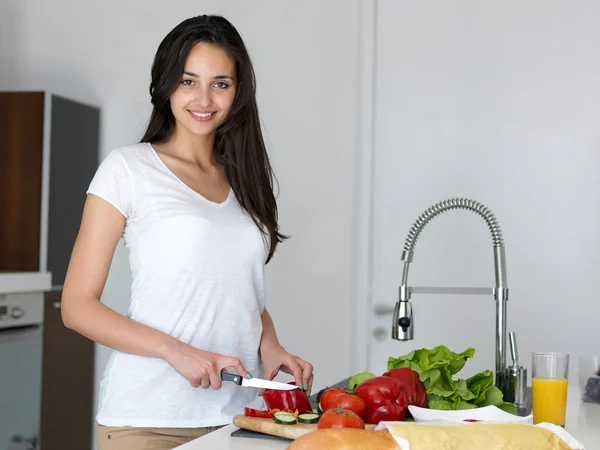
(67, 383)
(21, 131)
(74, 143)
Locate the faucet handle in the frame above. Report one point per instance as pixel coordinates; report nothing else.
(513, 347)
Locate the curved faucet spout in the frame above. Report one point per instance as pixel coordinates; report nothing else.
(403, 321)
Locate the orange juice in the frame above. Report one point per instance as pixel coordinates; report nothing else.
(549, 400)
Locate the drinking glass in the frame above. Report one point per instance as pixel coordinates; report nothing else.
(549, 387)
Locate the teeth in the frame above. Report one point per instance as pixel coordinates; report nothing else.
(201, 114)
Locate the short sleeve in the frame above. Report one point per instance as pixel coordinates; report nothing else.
(112, 182)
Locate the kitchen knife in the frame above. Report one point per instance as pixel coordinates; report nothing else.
(256, 382)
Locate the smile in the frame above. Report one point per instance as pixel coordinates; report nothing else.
(202, 116)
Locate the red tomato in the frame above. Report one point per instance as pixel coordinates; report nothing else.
(326, 396)
(340, 418)
(332, 398)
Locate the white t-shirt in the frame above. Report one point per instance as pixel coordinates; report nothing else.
(197, 275)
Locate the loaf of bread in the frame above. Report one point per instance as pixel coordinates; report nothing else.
(345, 439)
(434, 437)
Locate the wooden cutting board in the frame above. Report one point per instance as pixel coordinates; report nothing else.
(268, 426)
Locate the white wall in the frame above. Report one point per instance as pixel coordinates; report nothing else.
(305, 57)
(496, 101)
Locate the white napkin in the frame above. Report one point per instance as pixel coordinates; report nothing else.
(564, 435)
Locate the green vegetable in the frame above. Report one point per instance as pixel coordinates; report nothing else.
(308, 418)
(359, 378)
(436, 367)
(284, 418)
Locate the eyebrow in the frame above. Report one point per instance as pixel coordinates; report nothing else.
(216, 77)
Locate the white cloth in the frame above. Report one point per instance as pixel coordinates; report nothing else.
(197, 275)
(404, 444)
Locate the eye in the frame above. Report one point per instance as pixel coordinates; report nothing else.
(187, 82)
(221, 85)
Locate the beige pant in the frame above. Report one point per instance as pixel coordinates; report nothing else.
(136, 438)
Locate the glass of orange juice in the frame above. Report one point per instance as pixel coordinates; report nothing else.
(549, 387)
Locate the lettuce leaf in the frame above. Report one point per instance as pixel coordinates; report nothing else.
(439, 403)
(359, 378)
(437, 366)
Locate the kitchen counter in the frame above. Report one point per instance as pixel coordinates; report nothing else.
(16, 282)
(583, 422)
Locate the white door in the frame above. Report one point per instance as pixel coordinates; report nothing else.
(500, 103)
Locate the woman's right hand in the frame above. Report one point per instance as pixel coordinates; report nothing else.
(201, 368)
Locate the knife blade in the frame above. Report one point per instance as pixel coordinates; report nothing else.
(256, 382)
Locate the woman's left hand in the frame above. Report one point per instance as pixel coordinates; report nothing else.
(277, 359)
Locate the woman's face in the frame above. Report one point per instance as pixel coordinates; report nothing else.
(203, 99)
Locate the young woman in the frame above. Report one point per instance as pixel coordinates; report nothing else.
(194, 204)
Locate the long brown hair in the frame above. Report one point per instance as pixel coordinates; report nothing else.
(239, 144)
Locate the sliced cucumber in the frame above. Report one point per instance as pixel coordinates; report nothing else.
(308, 418)
(284, 418)
(321, 393)
(319, 409)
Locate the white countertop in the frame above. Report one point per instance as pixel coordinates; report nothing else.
(583, 423)
(16, 282)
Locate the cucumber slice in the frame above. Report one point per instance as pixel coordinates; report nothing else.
(284, 418)
(319, 409)
(321, 393)
(308, 418)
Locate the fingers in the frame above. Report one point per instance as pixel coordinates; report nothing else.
(203, 369)
(301, 370)
(270, 374)
(228, 361)
(291, 362)
(307, 370)
(237, 365)
(205, 382)
(211, 375)
(215, 379)
(307, 374)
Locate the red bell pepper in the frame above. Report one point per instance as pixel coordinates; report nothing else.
(264, 414)
(411, 384)
(384, 399)
(251, 412)
(295, 399)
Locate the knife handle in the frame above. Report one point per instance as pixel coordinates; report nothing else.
(237, 379)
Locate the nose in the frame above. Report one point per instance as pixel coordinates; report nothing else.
(204, 96)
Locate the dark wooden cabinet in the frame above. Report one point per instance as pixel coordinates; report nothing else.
(49, 152)
(21, 148)
(67, 383)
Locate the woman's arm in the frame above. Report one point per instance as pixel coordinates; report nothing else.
(269, 338)
(101, 228)
(82, 311)
(276, 358)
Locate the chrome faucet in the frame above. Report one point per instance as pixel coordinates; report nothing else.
(403, 320)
